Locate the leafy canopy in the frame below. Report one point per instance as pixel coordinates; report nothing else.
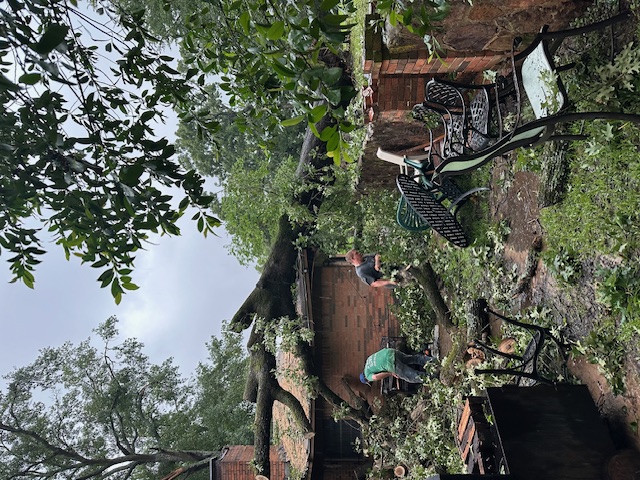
(78, 154)
(86, 411)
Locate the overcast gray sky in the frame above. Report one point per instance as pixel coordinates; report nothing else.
(188, 286)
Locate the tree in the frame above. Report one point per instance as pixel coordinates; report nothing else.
(87, 412)
(77, 151)
(268, 55)
(219, 405)
(232, 137)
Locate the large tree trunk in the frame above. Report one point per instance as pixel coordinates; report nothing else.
(272, 299)
(426, 277)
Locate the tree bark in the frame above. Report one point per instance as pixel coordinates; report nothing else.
(426, 277)
(272, 298)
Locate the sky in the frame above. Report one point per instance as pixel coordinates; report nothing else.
(188, 286)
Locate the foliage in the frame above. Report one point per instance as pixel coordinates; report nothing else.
(254, 199)
(214, 151)
(619, 290)
(219, 395)
(287, 62)
(597, 211)
(381, 233)
(563, 264)
(77, 151)
(283, 334)
(475, 272)
(415, 316)
(604, 347)
(84, 411)
(417, 17)
(333, 229)
(96, 189)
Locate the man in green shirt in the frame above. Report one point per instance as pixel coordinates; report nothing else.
(391, 362)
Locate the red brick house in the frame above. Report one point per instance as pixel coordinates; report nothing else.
(235, 464)
(349, 320)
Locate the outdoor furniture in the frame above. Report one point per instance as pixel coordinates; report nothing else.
(535, 76)
(553, 432)
(410, 218)
(526, 366)
(467, 112)
(430, 210)
(477, 440)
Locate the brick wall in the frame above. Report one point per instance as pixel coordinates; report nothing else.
(235, 464)
(350, 319)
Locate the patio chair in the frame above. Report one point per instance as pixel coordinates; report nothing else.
(537, 76)
(410, 218)
(527, 367)
(467, 112)
(424, 204)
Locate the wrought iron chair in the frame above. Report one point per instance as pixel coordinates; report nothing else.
(527, 367)
(467, 111)
(535, 76)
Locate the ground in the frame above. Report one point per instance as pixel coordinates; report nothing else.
(514, 198)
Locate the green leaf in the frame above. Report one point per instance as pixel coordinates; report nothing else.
(334, 96)
(327, 133)
(331, 75)
(333, 142)
(105, 278)
(100, 263)
(292, 121)
(6, 84)
(327, 5)
(116, 290)
(244, 22)
(30, 78)
(130, 286)
(28, 282)
(130, 175)
(276, 31)
(333, 20)
(282, 70)
(317, 112)
(53, 36)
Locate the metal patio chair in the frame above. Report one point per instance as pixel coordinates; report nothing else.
(467, 111)
(535, 76)
(423, 205)
(528, 367)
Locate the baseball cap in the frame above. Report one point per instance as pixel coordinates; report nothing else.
(363, 379)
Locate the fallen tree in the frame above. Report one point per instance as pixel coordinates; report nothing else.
(272, 299)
